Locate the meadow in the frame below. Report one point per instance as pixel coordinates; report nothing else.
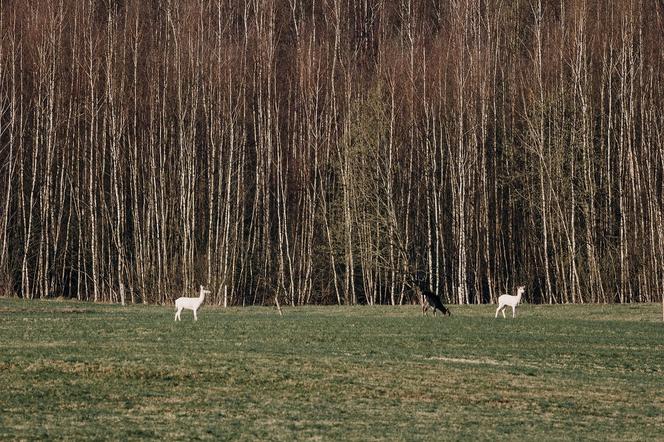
(72, 370)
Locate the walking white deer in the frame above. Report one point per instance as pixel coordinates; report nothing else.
(190, 304)
(512, 301)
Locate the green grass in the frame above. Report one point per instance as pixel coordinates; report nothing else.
(83, 371)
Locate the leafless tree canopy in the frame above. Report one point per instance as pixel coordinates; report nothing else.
(318, 151)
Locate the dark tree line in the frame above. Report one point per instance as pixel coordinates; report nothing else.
(323, 151)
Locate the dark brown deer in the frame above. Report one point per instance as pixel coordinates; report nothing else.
(432, 300)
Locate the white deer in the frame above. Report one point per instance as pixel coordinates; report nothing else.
(189, 304)
(512, 301)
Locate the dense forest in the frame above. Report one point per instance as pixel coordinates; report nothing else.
(325, 151)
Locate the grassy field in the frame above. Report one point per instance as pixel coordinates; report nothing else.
(83, 371)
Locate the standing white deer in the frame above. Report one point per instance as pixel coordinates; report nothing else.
(512, 301)
(190, 304)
